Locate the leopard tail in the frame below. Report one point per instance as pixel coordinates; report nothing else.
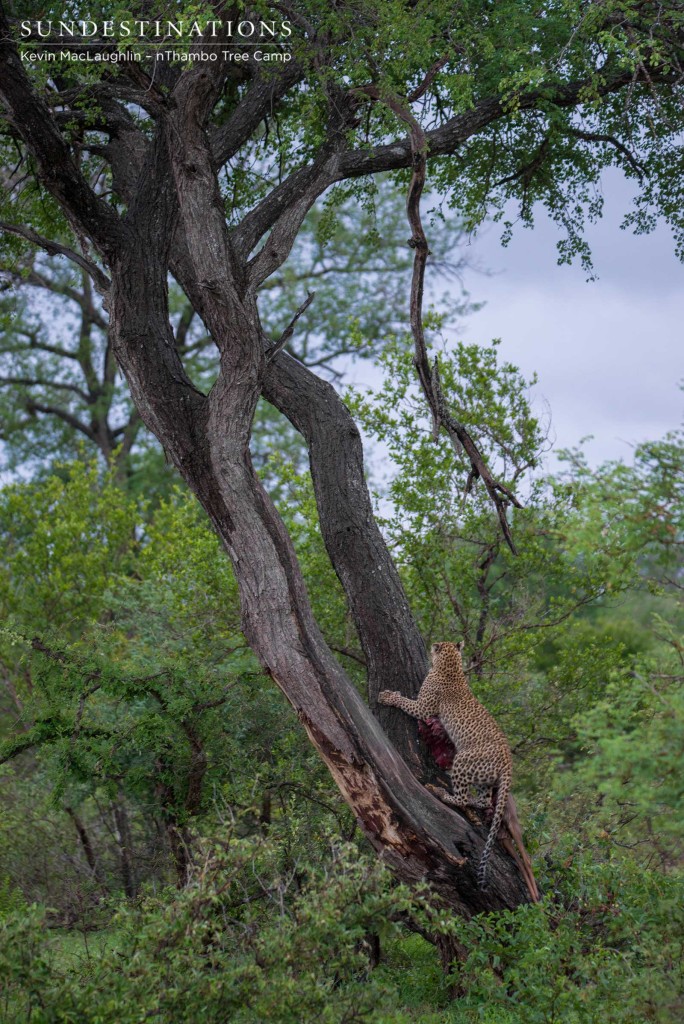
(499, 808)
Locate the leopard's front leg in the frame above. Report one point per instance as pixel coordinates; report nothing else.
(424, 707)
(396, 700)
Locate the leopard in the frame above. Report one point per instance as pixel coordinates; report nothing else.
(483, 760)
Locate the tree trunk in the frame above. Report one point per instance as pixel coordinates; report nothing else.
(87, 846)
(208, 441)
(414, 832)
(125, 842)
(393, 647)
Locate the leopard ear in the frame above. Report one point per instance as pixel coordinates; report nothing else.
(460, 645)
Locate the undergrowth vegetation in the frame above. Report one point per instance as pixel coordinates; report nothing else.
(172, 849)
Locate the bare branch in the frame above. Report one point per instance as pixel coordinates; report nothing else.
(527, 171)
(62, 414)
(289, 330)
(55, 350)
(101, 280)
(612, 141)
(349, 652)
(288, 205)
(80, 298)
(428, 80)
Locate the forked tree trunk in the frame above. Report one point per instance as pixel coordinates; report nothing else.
(413, 832)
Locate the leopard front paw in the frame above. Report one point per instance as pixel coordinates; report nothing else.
(387, 696)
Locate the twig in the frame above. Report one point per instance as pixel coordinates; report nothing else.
(639, 168)
(348, 652)
(282, 341)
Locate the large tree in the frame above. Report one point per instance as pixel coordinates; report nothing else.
(206, 169)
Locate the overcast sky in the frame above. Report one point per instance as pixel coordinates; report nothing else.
(608, 353)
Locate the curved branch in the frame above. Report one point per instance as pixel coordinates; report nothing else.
(298, 197)
(62, 414)
(42, 346)
(500, 495)
(56, 249)
(639, 168)
(83, 298)
(34, 382)
(258, 221)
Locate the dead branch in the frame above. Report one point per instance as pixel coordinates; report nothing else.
(289, 330)
(430, 383)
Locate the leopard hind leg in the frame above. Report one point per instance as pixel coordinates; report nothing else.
(483, 798)
(467, 774)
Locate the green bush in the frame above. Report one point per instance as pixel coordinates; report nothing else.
(242, 943)
(250, 940)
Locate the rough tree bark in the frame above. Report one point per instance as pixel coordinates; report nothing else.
(174, 219)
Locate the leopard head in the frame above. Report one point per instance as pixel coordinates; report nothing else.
(446, 657)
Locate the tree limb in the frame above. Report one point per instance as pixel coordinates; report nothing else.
(638, 167)
(62, 414)
(291, 203)
(56, 249)
(36, 382)
(81, 299)
(259, 100)
(500, 495)
(442, 141)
